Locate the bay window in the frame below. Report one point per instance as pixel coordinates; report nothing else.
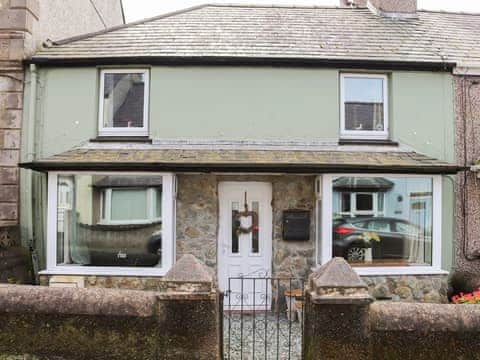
(110, 223)
(381, 224)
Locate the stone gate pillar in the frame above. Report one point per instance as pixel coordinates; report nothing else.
(336, 313)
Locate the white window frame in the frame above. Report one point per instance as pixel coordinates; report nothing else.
(168, 231)
(124, 131)
(353, 204)
(106, 201)
(364, 134)
(325, 241)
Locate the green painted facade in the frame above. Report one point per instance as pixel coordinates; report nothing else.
(256, 103)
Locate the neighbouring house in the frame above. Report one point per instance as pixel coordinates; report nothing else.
(262, 140)
(25, 24)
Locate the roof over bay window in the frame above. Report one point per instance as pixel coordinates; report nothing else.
(245, 158)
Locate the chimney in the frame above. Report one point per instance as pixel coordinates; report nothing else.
(401, 9)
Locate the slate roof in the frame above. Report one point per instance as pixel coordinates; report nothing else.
(149, 157)
(274, 32)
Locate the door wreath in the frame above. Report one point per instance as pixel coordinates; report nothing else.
(238, 215)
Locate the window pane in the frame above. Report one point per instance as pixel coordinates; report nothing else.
(345, 202)
(399, 233)
(364, 101)
(380, 202)
(84, 238)
(364, 202)
(255, 229)
(379, 225)
(123, 100)
(158, 203)
(129, 204)
(235, 227)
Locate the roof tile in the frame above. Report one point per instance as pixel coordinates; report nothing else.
(284, 32)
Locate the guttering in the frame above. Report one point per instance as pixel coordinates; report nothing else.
(30, 136)
(27, 196)
(244, 61)
(236, 168)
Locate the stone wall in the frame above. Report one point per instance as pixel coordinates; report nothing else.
(412, 288)
(467, 214)
(293, 258)
(343, 322)
(109, 282)
(181, 321)
(197, 219)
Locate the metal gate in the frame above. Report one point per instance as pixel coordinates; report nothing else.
(263, 318)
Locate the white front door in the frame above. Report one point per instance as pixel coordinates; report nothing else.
(245, 244)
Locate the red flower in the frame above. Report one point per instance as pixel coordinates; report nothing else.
(469, 298)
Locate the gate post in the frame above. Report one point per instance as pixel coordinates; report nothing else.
(336, 313)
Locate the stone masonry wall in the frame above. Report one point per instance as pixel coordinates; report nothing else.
(418, 288)
(17, 19)
(293, 258)
(197, 219)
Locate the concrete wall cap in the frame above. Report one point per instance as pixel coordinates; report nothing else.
(337, 273)
(190, 270)
(427, 318)
(22, 299)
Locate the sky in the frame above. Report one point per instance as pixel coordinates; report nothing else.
(140, 9)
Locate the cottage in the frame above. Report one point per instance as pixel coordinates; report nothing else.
(262, 140)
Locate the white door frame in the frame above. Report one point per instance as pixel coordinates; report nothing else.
(224, 232)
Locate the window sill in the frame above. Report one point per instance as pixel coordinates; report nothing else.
(104, 271)
(137, 139)
(382, 142)
(392, 271)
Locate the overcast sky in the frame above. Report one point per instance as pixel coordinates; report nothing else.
(139, 9)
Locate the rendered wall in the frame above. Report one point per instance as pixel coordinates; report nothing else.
(238, 103)
(467, 220)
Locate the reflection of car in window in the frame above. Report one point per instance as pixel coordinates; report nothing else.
(395, 238)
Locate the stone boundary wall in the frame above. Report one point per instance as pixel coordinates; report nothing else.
(343, 321)
(424, 331)
(183, 321)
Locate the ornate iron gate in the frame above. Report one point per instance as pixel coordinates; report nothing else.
(263, 318)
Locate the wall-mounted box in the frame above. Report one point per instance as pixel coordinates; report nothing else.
(296, 225)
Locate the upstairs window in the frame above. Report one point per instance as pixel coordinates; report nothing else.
(123, 103)
(364, 106)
